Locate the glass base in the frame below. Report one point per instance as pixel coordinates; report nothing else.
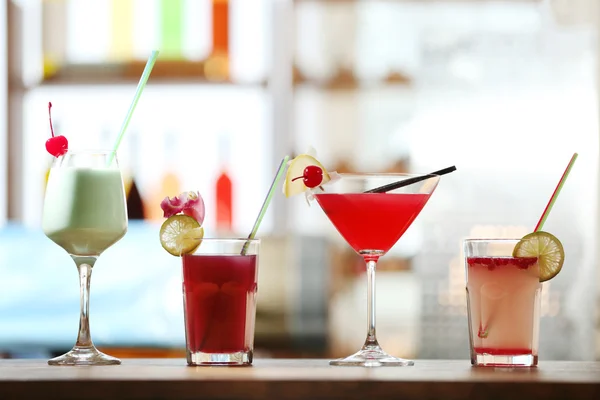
(84, 356)
(514, 360)
(371, 357)
(239, 358)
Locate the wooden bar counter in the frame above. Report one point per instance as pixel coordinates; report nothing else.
(297, 379)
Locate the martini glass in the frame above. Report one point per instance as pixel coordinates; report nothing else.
(372, 223)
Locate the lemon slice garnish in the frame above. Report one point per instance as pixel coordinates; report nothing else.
(181, 234)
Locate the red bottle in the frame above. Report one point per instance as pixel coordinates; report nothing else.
(224, 192)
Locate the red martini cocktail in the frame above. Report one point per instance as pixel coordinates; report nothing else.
(371, 222)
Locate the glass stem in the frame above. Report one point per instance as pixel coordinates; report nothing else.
(84, 267)
(371, 337)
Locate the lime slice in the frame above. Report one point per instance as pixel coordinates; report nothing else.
(181, 234)
(296, 168)
(547, 248)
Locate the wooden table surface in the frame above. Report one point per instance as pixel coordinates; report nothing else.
(297, 379)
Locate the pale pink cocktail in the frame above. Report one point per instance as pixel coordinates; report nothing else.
(503, 297)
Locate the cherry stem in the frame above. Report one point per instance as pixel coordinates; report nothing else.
(298, 177)
(50, 117)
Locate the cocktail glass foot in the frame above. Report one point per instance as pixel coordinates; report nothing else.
(371, 356)
(84, 356)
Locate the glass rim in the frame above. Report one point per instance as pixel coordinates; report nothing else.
(90, 151)
(383, 174)
(481, 240)
(232, 240)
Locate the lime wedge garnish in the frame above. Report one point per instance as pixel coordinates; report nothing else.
(181, 234)
(548, 250)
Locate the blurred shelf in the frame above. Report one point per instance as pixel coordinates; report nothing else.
(164, 72)
(174, 72)
(412, 1)
(346, 80)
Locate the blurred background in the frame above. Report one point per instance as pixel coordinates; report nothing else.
(505, 90)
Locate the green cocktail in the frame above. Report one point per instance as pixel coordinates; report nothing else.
(85, 213)
(83, 209)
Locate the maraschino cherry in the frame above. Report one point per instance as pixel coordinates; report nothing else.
(312, 176)
(56, 145)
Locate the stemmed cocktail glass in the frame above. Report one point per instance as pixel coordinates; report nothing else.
(85, 213)
(371, 219)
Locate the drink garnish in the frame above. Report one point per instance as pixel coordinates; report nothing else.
(265, 204)
(543, 245)
(556, 192)
(56, 145)
(548, 250)
(312, 176)
(188, 203)
(305, 174)
(410, 181)
(136, 98)
(182, 232)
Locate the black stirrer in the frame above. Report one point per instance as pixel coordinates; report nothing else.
(410, 181)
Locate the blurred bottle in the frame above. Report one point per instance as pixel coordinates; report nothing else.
(343, 166)
(171, 29)
(135, 203)
(398, 165)
(47, 174)
(106, 142)
(121, 38)
(54, 32)
(46, 177)
(216, 67)
(340, 31)
(169, 185)
(82, 32)
(224, 190)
